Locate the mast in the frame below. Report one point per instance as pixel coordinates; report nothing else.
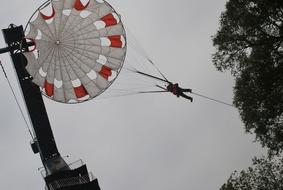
(58, 174)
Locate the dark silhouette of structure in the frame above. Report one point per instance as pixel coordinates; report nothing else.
(57, 174)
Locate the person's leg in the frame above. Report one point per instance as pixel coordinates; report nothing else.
(187, 97)
(187, 90)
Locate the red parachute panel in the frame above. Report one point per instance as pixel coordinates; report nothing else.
(49, 88)
(109, 20)
(79, 6)
(45, 17)
(116, 41)
(80, 91)
(105, 72)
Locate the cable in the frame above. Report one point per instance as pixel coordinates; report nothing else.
(158, 70)
(140, 50)
(212, 99)
(15, 97)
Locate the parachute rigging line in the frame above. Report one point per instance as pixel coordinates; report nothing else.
(212, 99)
(143, 51)
(197, 94)
(151, 76)
(17, 102)
(158, 70)
(150, 92)
(161, 87)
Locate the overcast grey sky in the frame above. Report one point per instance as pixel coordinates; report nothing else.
(152, 142)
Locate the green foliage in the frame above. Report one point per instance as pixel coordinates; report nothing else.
(244, 25)
(250, 44)
(265, 174)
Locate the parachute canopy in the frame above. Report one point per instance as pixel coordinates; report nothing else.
(79, 49)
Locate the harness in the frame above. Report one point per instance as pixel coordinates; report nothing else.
(175, 89)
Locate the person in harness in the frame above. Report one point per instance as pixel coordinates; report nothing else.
(173, 88)
(178, 91)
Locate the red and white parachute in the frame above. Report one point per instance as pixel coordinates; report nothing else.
(79, 49)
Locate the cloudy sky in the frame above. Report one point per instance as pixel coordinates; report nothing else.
(152, 142)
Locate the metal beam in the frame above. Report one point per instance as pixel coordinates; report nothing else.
(14, 37)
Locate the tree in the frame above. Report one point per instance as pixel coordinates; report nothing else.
(249, 43)
(264, 174)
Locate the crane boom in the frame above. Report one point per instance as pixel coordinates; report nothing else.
(58, 175)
